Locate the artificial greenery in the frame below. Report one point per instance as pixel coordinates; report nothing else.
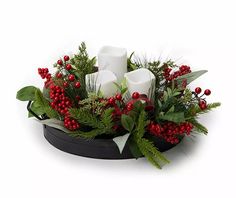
(169, 114)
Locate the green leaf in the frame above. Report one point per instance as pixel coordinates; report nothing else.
(26, 93)
(173, 117)
(171, 110)
(127, 122)
(191, 76)
(121, 141)
(36, 108)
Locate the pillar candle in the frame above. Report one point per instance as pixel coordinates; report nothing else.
(142, 81)
(102, 80)
(113, 59)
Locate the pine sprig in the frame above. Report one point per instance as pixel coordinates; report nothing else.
(142, 123)
(85, 117)
(210, 106)
(198, 126)
(106, 118)
(149, 150)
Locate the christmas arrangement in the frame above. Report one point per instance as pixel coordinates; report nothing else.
(135, 103)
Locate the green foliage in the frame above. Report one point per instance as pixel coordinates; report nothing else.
(43, 105)
(190, 76)
(85, 117)
(99, 125)
(142, 123)
(26, 93)
(122, 87)
(210, 106)
(36, 108)
(140, 145)
(173, 117)
(187, 96)
(150, 152)
(81, 61)
(93, 104)
(198, 126)
(127, 122)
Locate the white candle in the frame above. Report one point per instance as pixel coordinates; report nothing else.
(142, 81)
(101, 81)
(113, 59)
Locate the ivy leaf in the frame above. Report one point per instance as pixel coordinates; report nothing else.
(26, 93)
(191, 76)
(121, 141)
(173, 117)
(127, 122)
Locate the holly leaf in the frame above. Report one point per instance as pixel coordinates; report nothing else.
(26, 93)
(127, 122)
(121, 141)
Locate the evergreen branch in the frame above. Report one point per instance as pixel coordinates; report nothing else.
(106, 118)
(210, 106)
(85, 117)
(152, 149)
(198, 126)
(142, 123)
(149, 157)
(150, 152)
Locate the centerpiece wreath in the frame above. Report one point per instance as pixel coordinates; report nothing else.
(78, 118)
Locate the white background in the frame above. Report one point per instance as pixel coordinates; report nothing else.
(36, 33)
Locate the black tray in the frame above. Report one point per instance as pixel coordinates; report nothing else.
(94, 148)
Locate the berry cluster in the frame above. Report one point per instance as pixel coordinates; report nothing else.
(71, 124)
(201, 102)
(184, 69)
(170, 130)
(44, 73)
(60, 102)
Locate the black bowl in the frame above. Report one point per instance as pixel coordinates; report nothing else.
(95, 148)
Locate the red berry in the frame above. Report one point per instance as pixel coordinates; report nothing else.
(129, 107)
(118, 97)
(71, 77)
(68, 67)
(135, 95)
(59, 62)
(66, 58)
(77, 84)
(111, 101)
(59, 75)
(198, 90)
(207, 92)
(202, 104)
(65, 84)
